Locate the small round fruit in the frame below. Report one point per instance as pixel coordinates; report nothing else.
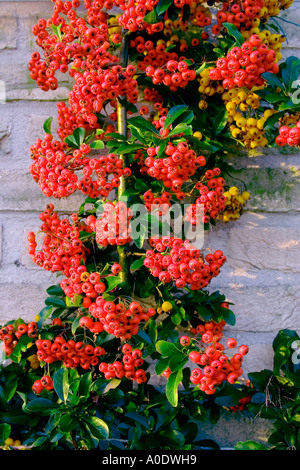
(167, 306)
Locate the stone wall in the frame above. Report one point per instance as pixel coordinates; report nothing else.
(263, 270)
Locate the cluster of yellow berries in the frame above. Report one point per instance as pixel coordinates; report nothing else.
(12, 443)
(289, 119)
(34, 362)
(240, 99)
(114, 27)
(207, 87)
(198, 12)
(273, 7)
(235, 202)
(243, 126)
(250, 131)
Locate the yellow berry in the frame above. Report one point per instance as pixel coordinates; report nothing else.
(9, 441)
(198, 135)
(246, 195)
(202, 104)
(234, 191)
(167, 306)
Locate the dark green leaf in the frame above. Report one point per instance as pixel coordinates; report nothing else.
(55, 302)
(61, 383)
(162, 6)
(5, 431)
(233, 31)
(173, 382)
(47, 125)
(151, 17)
(40, 405)
(166, 349)
(137, 264)
(250, 445)
(174, 113)
(112, 282)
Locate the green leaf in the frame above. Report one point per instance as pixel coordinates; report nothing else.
(57, 31)
(166, 349)
(85, 384)
(137, 418)
(112, 282)
(161, 365)
(233, 31)
(272, 120)
(20, 347)
(5, 431)
(181, 128)
(55, 290)
(220, 121)
(273, 80)
(174, 113)
(290, 70)
(61, 384)
(127, 148)
(151, 17)
(250, 445)
(43, 315)
(75, 325)
(97, 427)
(67, 423)
(173, 382)
(47, 125)
(142, 124)
(97, 144)
(162, 6)
(79, 135)
(172, 437)
(40, 405)
(55, 302)
(137, 264)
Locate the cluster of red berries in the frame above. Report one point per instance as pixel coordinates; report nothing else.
(164, 67)
(62, 248)
(94, 87)
(134, 13)
(71, 353)
(81, 282)
(120, 319)
(129, 366)
(10, 336)
(44, 383)
(113, 226)
(214, 365)
(67, 38)
(210, 201)
(55, 166)
(175, 74)
(175, 260)
(210, 331)
(159, 204)
(243, 66)
(289, 136)
(68, 121)
(239, 14)
(176, 167)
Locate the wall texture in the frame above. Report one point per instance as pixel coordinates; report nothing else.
(263, 270)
